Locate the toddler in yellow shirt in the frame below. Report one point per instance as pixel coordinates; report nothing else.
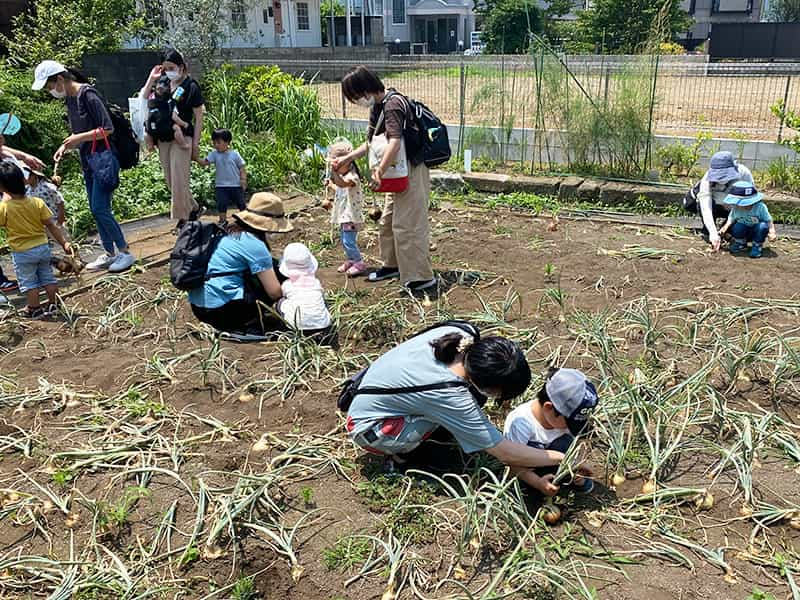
(24, 220)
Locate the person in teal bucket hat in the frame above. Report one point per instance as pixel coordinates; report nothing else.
(748, 219)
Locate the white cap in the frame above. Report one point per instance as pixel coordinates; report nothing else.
(44, 71)
(297, 260)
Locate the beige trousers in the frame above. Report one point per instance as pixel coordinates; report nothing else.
(176, 163)
(404, 234)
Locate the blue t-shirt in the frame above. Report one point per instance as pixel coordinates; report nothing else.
(413, 363)
(757, 214)
(235, 252)
(227, 165)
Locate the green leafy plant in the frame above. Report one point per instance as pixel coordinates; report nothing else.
(347, 552)
(507, 25)
(244, 589)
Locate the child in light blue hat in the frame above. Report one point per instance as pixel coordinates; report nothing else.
(748, 220)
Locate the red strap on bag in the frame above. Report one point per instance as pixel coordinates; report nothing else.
(94, 141)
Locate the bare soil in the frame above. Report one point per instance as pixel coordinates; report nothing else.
(135, 375)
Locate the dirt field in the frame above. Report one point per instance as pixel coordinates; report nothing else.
(142, 458)
(727, 106)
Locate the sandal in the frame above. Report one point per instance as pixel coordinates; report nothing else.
(32, 313)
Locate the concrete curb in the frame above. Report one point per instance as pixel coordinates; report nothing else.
(610, 193)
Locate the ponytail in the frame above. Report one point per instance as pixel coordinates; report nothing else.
(445, 348)
(493, 364)
(77, 75)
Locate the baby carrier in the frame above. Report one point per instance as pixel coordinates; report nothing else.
(159, 113)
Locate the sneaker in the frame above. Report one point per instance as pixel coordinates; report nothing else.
(101, 263)
(344, 266)
(737, 246)
(32, 313)
(8, 286)
(420, 287)
(123, 262)
(356, 269)
(755, 251)
(384, 273)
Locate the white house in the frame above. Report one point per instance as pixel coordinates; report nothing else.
(432, 26)
(276, 24)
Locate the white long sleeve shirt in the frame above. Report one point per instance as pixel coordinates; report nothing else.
(715, 193)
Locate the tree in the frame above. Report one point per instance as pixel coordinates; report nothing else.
(65, 30)
(325, 9)
(784, 11)
(626, 26)
(201, 27)
(507, 25)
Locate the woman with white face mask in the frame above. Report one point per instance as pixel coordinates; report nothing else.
(176, 160)
(89, 123)
(404, 228)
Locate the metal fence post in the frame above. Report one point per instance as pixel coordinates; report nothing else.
(461, 102)
(344, 106)
(785, 100)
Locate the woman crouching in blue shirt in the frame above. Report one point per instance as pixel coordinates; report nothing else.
(441, 378)
(233, 302)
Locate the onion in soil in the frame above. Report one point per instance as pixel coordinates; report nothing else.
(375, 213)
(72, 519)
(551, 513)
(794, 523)
(617, 479)
(649, 486)
(704, 501)
(262, 445)
(212, 552)
(746, 510)
(246, 397)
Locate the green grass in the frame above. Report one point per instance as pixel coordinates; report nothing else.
(347, 552)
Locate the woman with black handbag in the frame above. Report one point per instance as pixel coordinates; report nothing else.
(91, 125)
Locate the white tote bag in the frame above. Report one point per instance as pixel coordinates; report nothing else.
(395, 179)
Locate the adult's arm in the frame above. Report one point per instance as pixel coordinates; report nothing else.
(28, 159)
(270, 283)
(704, 200)
(349, 158)
(155, 73)
(521, 455)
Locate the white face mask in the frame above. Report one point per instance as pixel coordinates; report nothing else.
(173, 75)
(366, 101)
(56, 94)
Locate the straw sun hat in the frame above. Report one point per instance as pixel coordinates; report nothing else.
(265, 213)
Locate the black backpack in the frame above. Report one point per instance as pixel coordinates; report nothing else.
(123, 139)
(428, 140)
(689, 201)
(351, 387)
(188, 261)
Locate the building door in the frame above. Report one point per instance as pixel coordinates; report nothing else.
(442, 36)
(433, 36)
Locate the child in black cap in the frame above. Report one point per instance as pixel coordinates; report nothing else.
(552, 421)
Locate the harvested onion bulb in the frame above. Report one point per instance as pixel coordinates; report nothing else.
(617, 479)
(649, 486)
(704, 501)
(551, 513)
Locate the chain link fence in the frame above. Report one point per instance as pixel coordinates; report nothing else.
(725, 100)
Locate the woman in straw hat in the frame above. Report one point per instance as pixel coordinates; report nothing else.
(242, 275)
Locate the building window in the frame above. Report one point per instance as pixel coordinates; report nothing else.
(398, 12)
(303, 23)
(265, 15)
(238, 16)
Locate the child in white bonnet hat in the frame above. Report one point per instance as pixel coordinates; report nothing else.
(303, 302)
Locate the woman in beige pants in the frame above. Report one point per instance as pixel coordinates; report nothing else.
(176, 160)
(404, 227)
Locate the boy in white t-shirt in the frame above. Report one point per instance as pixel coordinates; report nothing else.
(552, 421)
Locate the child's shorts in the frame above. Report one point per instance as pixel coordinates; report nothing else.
(229, 197)
(396, 435)
(33, 268)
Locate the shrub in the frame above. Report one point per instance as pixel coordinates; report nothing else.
(141, 191)
(671, 48)
(43, 119)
